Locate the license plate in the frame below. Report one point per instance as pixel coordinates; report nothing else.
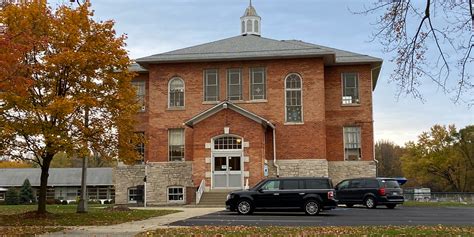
(395, 193)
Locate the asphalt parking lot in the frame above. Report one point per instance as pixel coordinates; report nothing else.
(341, 217)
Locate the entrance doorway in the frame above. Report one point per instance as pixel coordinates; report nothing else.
(227, 163)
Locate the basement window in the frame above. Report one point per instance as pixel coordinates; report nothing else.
(176, 194)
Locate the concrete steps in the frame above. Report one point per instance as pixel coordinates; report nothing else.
(213, 199)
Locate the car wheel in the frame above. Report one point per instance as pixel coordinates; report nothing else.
(391, 206)
(244, 207)
(369, 202)
(312, 207)
(349, 205)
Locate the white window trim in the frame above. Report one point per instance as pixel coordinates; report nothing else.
(342, 89)
(344, 141)
(241, 84)
(250, 85)
(229, 150)
(302, 109)
(169, 93)
(175, 201)
(204, 86)
(128, 194)
(184, 145)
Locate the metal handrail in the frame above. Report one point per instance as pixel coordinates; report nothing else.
(200, 191)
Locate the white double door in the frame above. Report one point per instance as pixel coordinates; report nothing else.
(227, 171)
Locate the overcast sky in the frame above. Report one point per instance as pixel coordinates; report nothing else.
(157, 26)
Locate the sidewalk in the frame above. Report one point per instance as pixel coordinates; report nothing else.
(135, 227)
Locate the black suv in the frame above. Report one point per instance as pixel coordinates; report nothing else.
(310, 194)
(370, 192)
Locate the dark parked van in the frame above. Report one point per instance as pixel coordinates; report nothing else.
(370, 192)
(309, 194)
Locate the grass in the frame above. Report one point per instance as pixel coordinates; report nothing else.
(27, 230)
(436, 204)
(65, 215)
(312, 231)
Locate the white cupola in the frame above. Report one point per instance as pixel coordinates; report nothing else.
(250, 21)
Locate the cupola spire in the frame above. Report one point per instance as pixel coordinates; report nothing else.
(251, 21)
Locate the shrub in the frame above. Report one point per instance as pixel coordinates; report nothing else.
(64, 202)
(106, 202)
(26, 193)
(58, 202)
(93, 202)
(11, 197)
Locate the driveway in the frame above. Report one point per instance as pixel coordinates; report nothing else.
(341, 217)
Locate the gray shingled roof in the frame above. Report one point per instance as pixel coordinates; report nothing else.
(255, 47)
(57, 177)
(135, 67)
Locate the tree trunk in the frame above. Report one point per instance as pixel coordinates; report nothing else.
(44, 184)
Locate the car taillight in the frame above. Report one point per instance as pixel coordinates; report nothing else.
(382, 191)
(330, 195)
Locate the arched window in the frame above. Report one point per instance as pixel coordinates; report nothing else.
(249, 26)
(176, 92)
(293, 98)
(255, 26)
(228, 143)
(243, 27)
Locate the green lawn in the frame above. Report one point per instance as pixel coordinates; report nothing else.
(313, 231)
(65, 215)
(436, 204)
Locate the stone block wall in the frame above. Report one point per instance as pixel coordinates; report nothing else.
(299, 168)
(125, 177)
(162, 175)
(340, 170)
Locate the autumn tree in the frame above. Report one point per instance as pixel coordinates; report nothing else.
(388, 155)
(14, 164)
(66, 87)
(436, 160)
(431, 42)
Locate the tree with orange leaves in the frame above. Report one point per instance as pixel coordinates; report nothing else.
(64, 87)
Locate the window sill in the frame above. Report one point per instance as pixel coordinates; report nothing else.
(210, 102)
(293, 123)
(257, 101)
(176, 109)
(350, 105)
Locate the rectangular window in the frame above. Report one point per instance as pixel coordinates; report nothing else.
(133, 195)
(176, 194)
(211, 85)
(140, 93)
(352, 143)
(176, 144)
(234, 84)
(140, 148)
(2, 196)
(350, 88)
(317, 184)
(257, 84)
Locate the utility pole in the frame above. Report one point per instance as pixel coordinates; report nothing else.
(82, 205)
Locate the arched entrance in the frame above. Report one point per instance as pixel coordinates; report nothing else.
(227, 162)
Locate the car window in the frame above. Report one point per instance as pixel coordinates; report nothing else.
(371, 183)
(390, 184)
(272, 185)
(317, 184)
(290, 184)
(343, 184)
(355, 184)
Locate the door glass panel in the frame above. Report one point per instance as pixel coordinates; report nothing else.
(234, 163)
(220, 164)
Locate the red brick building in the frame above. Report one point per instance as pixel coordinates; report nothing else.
(226, 114)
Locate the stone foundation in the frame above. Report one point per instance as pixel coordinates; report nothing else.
(160, 176)
(340, 170)
(168, 174)
(126, 177)
(299, 168)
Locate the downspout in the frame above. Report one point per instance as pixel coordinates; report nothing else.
(274, 152)
(373, 145)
